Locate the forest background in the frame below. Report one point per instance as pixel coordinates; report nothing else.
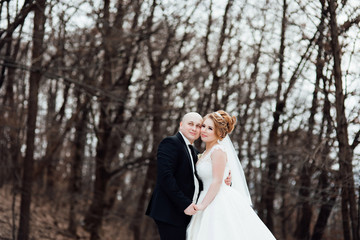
(89, 88)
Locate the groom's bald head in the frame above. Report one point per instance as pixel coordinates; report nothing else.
(191, 115)
(190, 126)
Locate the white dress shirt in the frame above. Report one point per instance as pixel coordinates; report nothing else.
(196, 182)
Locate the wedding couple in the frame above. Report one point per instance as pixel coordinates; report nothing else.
(193, 198)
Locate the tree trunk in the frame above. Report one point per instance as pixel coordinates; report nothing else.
(325, 211)
(302, 231)
(94, 215)
(272, 162)
(156, 82)
(76, 164)
(35, 76)
(18, 20)
(108, 140)
(328, 194)
(212, 100)
(348, 203)
(268, 195)
(51, 133)
(6, 59)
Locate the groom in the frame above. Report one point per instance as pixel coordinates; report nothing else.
(177, 187)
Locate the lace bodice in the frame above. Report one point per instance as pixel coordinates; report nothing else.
(204, 167)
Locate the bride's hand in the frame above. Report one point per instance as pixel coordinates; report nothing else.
(199, 207)
(190, 210)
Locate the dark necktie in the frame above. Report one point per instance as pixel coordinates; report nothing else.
(193, 153)
(194, 156)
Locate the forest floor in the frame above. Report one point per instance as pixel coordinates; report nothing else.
(49, 221)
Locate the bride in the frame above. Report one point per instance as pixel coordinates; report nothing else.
(224, 212)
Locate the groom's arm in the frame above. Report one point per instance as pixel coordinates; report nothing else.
(167, 162)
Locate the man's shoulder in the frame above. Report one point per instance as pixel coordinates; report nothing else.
(170, 144)
(174, 138)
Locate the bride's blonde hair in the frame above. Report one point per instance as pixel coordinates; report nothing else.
(224, 123)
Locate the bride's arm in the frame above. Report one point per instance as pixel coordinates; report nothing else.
(218, 161)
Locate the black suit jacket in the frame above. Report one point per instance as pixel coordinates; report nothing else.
(174, 188)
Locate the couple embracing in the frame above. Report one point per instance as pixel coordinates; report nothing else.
(205, 196)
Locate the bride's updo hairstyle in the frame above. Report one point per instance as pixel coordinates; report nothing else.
(224, 123)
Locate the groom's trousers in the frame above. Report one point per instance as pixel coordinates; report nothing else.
(171, 232)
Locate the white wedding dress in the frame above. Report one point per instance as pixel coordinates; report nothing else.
(229, 216)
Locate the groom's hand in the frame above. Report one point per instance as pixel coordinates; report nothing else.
(228, 179)
(190, 210)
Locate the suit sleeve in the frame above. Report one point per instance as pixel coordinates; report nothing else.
(167, 162)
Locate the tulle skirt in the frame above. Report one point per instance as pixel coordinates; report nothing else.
(230, 217)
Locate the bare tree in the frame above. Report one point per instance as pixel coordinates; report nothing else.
(268, 195)
(35, 76)
(220, 61)
(6, 34)
(348, 197)
(303, 227)
(121, 49)
(327, 193)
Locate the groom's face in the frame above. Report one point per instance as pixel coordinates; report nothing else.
(190, 126)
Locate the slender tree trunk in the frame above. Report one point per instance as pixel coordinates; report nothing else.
(213, 99)
(328, 194)
(151, 171)
(76, 165)
(35, 76)
(325, 211)
(28, 6)
(328, 200)
(96, 210)
(94, 215)
(348, 202)
(258, 184)
(93, 219)
(15, 115)
(268, 195)
(302, 231)
(242, 120)
(108, 141)
(272, 162)
(51, 133)
(303, 227)
(6, 59)
(106, 147)
(156, 82)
